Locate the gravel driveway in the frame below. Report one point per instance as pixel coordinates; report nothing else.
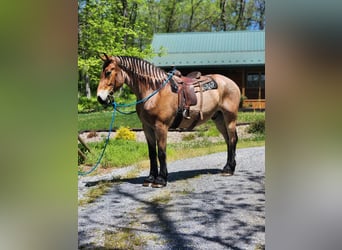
(198, 209)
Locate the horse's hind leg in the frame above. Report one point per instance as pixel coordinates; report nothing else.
(152, 152)
(226, 124)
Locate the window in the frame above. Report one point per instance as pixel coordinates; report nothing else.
(255, 85)
(253, 80)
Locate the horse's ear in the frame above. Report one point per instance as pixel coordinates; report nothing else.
(103, 56)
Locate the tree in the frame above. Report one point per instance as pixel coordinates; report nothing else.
(198, 15)
(241, 14)
(126, 27)
(111, 27)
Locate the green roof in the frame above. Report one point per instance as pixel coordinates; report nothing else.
(210, 48)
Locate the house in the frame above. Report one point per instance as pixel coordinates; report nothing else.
(239, 55)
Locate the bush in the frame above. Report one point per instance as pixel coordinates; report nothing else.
(242, 100)
(257, 127)
(124, 133)
(88, 105)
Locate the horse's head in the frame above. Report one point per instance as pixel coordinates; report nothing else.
(110, 81)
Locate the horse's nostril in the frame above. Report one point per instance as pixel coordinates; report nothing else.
(99, 99)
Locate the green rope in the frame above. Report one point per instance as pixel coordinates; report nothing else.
(104, 148)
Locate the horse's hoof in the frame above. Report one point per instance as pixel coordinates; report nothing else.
(159, 183)
(156, 185)
(148, 181)
(227, 173)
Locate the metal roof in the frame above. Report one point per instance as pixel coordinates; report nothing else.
(210, 48)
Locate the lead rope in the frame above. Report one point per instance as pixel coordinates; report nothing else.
(122, 105)
(115, 105)
(104, 148)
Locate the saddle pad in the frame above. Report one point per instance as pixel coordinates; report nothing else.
(209, 85)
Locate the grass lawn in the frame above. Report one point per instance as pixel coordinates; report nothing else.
(121, 153)
(101, 121)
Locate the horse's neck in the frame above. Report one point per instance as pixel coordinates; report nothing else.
(140, 90)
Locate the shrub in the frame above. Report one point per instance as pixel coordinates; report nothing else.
(257, 127)
(242, 99)
(124, 133)
(189, 137)
(88, 105)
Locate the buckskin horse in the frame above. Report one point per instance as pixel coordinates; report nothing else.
(161, 106)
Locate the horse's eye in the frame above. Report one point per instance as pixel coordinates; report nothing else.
(107, 73)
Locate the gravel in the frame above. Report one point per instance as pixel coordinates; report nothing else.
(172, 137)
(198, 209)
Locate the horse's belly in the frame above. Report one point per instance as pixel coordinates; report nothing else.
(196, 119)
(203, 110)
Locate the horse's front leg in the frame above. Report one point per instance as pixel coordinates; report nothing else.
(152, 152)
(161, 135)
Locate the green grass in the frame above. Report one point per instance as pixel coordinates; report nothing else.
(251, 116)
(94, 193)
(124, 238)
(101, 120)
(207, 129)
(120, 153)
(162, 198)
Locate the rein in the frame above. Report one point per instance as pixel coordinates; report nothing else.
(115, 106)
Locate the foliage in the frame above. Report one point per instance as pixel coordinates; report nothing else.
(242, 99)
(166, 16)
(251, 116)
(102, 120)
(257, 127)
(84, 151)
(189, 137)
(241, 14)
(124, 238)
(94, 193)
(124, 133)
(111, 27)
(88, 105)
(126, 27)
(118, 153)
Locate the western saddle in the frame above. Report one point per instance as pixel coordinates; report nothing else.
(186, 92)
(185, 87)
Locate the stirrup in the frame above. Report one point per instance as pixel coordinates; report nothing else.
(186, 114)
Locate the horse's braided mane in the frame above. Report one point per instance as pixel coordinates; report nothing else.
(142, 71)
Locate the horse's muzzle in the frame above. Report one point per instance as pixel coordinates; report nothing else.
(108, 101)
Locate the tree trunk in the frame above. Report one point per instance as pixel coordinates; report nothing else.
(223, 15)
(87, 85)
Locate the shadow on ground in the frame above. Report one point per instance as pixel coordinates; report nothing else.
(229, 216)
